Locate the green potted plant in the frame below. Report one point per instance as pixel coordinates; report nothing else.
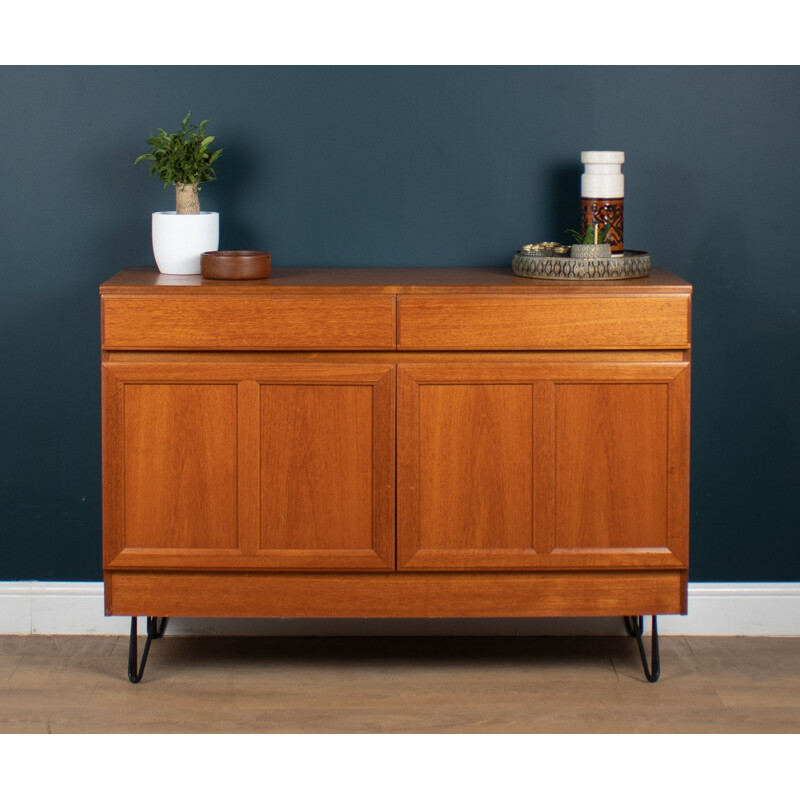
(183, 159)
(591, 244)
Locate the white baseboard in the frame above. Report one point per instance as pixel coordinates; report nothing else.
(715, 609)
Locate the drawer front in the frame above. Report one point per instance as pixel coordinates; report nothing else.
(298, 322)
(492, 322)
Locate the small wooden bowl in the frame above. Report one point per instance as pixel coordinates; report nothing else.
(235, 265)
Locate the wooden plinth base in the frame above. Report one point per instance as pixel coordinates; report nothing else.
(395, 595)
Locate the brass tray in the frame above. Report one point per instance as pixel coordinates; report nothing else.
(631, 264)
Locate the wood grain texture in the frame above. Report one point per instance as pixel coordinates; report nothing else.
(327, 472)
(316, 467)
(257, 466)
(180, 466)
(611, 465)
(170, 468)
(400, 280)
(464, 471)
(596, 450)
(621, 469)
(249, 466)
(509, 683)
(570, 322)
(393, 357)
(679, 465)
(475, 457)
(395, 595)
(223, 322)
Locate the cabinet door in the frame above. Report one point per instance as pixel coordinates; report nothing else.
(620, 470)
(248, 466)
(171, 465)
(542, 466)
(326, 467)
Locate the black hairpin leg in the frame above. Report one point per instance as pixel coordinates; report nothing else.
(635, 628)
(155, 630)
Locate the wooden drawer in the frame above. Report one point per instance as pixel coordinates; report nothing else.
(214, 322)
(511, 322)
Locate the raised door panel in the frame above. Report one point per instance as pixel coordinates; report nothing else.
(475, 462)
(326, 469)
(316, 467)
(180, 466)
(611, 465)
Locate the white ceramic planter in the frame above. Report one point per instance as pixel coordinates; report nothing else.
(180, 239)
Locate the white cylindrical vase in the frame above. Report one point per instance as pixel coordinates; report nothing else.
(180, 239)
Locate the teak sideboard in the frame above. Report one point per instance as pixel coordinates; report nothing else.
(395, 443)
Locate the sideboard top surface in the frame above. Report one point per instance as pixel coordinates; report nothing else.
(389, 280)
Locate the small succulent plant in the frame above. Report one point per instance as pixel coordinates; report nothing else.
(595, 234)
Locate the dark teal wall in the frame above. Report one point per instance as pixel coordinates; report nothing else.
(413, 167)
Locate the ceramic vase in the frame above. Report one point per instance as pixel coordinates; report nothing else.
(180, 239)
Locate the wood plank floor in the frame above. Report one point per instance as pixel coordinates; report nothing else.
(65, 684)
